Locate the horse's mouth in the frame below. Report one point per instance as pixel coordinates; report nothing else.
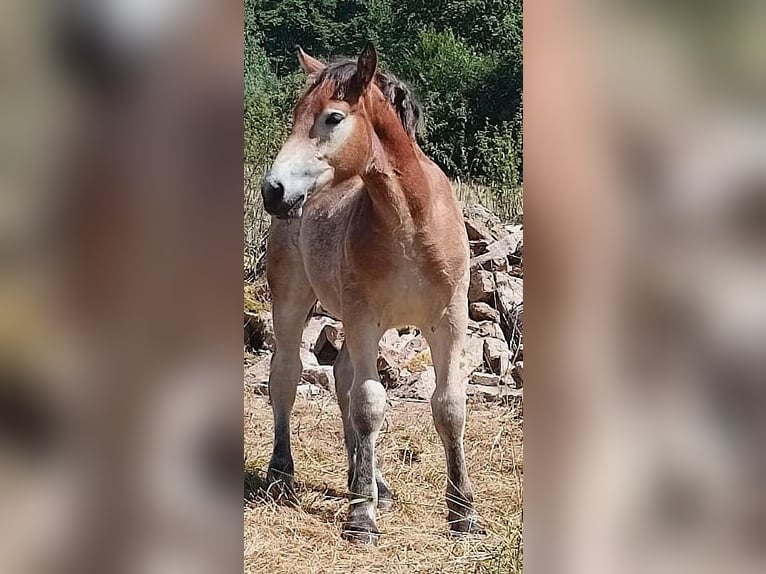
(293, 211)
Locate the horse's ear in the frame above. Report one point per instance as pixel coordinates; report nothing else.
(367, 64)
(310, 65)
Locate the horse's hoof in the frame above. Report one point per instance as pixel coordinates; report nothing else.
(361, 532)
(466, 526)
(281, 487)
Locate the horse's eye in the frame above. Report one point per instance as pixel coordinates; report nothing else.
(334, 118)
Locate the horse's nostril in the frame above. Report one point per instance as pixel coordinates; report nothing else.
(273, 193)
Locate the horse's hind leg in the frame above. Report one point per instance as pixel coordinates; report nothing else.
(344, 377)
(292, 299)
(448, 408)
(366, 409)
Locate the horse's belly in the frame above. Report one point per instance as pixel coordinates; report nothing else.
(409, 298)
(401, 297)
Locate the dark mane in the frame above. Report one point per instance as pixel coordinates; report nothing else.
(399, 95)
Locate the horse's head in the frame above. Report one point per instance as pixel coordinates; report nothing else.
(332, 135)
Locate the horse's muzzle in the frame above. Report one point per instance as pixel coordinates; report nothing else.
(273, 193)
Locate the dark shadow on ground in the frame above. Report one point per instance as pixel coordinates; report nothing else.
(258, 491)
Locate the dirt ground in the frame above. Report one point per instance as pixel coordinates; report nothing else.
(306, 539)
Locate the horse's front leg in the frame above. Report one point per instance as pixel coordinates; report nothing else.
(448, 408)
(292, 299)
(344, 378)
(366, 409)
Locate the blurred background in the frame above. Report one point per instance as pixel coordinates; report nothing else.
(646, 286)
(120, 293)
(120, 284)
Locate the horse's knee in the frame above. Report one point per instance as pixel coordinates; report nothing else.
(367, 406)
(448, 410)
(286, 362)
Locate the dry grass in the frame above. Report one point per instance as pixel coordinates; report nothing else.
(256, 221)
(507, 204)
(420, 362)
(306, 539)
(256, 297)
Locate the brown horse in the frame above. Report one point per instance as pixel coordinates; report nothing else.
(367, 224)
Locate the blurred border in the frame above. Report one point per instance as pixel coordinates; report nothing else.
(120, 286)
(645, 236)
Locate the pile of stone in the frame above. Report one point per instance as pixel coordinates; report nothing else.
(492, 360)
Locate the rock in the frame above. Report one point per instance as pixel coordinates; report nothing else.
(308, 359)
(483, 312)
(260, 389)
(258, 373)
(517, 374)
(482, 224)
(308, 390)
(478, 247)
(388, 358)
(510, 297)
(400, 350)
(490, 329)
(400, 356)
(419, 385)
(516, 231)
(388, 373)
(495, 264)
(499, 251)
(259, 331)
(413, 345)
(513, 328)
(509, 293)
(497, 356)
(477, 230)
(391, 337)
(320, 376)
(486, 379)
(328, 344)
(481, 287)
(472, 356)
(494, 394)
(313, 327)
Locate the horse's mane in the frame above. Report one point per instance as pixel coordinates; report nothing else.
(397, 93)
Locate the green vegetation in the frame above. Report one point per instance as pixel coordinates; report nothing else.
(463, 59)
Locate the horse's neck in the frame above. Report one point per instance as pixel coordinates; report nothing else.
(395, 179)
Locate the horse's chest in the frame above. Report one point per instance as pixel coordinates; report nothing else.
(390, 276)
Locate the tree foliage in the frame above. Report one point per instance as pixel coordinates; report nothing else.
(463, 58)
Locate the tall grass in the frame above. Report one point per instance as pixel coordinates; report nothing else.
(506, 203)
(256, 222)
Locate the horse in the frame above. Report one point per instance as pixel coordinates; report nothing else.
(366, 223)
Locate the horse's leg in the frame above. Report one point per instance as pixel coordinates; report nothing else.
(448, 408)
(344, 377)
(292, 299)
(366, 409)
